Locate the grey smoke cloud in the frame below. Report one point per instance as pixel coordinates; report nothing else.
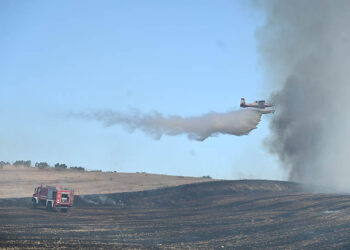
(305, 51)
(238, 123)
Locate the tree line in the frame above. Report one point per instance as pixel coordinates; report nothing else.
(41, 165)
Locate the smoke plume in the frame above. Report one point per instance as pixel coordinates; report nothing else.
(305, 51)
(198, 128)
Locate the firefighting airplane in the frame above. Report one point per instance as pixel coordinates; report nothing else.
(260, 106)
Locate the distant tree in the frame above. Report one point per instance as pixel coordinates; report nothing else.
(60, 166)
(22, 163)
(206, 177)
(4, 163)
(77, 168)
(42, 165)
(96, 171)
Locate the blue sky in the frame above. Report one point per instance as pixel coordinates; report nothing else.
(175, 57)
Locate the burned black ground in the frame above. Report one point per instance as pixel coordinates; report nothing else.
(222, 214)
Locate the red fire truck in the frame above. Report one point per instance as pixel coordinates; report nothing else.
(53, 198)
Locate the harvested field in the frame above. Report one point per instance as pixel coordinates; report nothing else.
(21, 181)
(221, 214)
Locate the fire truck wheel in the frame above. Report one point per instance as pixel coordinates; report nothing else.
(49, 206)
(64, 210)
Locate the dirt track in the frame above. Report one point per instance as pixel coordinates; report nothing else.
(223, 214)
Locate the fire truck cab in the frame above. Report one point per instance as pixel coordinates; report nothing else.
(53, 198)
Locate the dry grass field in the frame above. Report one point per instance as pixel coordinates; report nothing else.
(21, 181)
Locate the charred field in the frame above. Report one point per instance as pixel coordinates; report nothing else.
(218, 214)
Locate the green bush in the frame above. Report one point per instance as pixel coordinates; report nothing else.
(206, 177)
(22, 163)
(42, 165)
(60, 166)
(78, 168)
(4, 163)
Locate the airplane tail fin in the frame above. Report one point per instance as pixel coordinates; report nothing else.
(242, 102)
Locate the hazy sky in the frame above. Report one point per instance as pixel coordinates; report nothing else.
(176, 57)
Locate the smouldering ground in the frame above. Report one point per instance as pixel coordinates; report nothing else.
(224, 214)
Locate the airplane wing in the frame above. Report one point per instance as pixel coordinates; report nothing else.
(261, 104)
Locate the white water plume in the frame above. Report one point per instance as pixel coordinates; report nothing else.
(238, 123)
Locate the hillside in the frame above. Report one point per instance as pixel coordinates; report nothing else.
(21, 181)
(243, 214)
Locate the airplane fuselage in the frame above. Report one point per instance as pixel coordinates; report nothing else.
(255, 105)
(260, 106)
